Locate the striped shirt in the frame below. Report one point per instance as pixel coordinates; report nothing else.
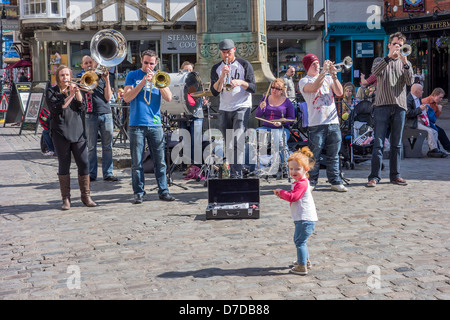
(392, 78)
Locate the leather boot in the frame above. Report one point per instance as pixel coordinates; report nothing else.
(85, 189)
(64, 185)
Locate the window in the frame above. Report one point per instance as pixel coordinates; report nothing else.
(42, 8)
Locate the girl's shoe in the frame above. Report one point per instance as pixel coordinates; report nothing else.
(299, 269)
(308, 263)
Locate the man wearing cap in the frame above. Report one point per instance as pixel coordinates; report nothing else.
(323, 125)
(235, 104)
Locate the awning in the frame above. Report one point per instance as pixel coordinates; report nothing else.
(19, 64)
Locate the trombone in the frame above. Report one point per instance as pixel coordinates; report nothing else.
(160, 80)
(88, 81)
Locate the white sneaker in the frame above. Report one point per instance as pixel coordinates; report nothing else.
(339, 188)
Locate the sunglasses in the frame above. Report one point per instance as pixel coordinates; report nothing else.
(278, 89)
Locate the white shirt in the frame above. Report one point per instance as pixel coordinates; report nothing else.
(321, 107)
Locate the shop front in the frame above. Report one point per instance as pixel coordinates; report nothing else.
(287, 48)
(357, 41)
(429, 38)
(52, 49)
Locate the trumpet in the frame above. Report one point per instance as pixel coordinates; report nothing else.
(405, 50)
(347, 63)
(228, 86)
(88, 81)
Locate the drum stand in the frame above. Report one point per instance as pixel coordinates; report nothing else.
(207, 169)
(284, 165)
(169, 168)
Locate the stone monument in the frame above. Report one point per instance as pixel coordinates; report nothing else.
(243, 21)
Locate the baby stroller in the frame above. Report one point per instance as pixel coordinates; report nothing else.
(357, 142)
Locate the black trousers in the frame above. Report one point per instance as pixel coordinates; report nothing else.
(64, 149)
(443, 139)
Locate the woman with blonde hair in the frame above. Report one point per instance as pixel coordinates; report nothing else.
(275, 105)
(67, 108)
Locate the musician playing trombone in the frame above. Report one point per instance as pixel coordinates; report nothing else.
(145, 125)
(66, 107)
(99, 119)
(234, 80)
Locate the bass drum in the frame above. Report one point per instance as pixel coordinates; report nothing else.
(181, 85)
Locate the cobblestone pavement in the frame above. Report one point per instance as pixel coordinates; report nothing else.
(388, 242)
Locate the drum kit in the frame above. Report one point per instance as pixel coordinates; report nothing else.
(284, 165)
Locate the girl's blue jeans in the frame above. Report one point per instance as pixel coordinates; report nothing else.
(303, 229)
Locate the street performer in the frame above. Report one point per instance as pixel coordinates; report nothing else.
(145, 124)
(233, 79)
(99, 119)
(66, 107)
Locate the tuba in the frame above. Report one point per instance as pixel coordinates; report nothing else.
(108, 49)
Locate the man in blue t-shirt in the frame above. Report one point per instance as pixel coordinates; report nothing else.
(145, 124)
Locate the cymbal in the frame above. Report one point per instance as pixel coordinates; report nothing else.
(276, 120)
(199, 94)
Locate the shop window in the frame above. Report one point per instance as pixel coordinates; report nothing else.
(42, 8)
(57, 55)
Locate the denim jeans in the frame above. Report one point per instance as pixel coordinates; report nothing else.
(48, 140)
(328, 137)
(303, 229)
(236, 123)
(156, 144)
(102, 123)
(196, 131)
(390, 117)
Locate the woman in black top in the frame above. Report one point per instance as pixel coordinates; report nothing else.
(67, 108)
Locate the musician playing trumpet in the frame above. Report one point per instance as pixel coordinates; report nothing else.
(66, 107)
(323, 124)
(145, 124)
(233, 80)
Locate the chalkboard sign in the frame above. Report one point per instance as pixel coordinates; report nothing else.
(17, 102)
(34, 105)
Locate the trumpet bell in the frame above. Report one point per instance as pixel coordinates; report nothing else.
(405, 50)
(161, 79)
(347, 63)
(108, 48)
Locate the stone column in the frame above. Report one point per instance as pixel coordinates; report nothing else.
(243, 21)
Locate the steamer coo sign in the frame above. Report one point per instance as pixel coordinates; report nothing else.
(179, 42)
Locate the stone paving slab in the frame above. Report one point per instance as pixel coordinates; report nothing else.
(388, 242)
